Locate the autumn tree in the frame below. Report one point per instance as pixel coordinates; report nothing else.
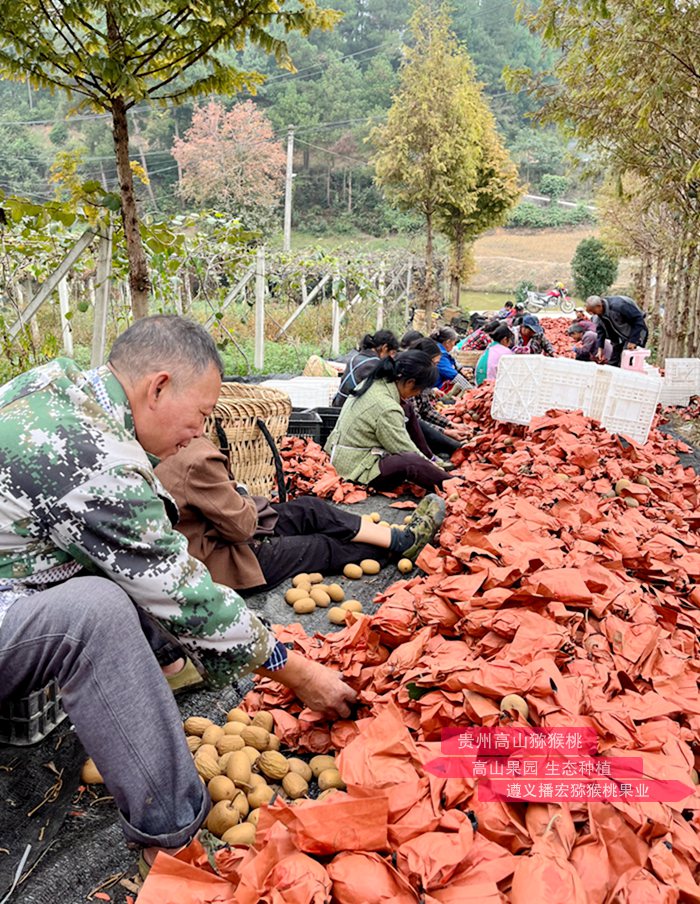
(112, 56)
(430, 146)
(232, 160)
(481, 204)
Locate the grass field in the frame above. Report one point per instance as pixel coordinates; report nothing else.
(483, 301)
(504, 257)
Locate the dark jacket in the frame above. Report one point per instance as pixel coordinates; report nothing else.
(358, 368)
(589, 346)
(621, 322)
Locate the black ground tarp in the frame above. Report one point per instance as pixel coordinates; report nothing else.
(87, 848)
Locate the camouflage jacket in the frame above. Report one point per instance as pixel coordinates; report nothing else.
(77, 490)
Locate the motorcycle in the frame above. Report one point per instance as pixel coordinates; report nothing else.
(556, 297)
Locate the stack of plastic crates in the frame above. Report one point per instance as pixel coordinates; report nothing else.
(517, 389)
(305, 423)
(630, 404)
(681, 380)
(329, 418)
(28, 720)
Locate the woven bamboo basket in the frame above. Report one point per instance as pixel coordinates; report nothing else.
(467, 358)
(237, 411)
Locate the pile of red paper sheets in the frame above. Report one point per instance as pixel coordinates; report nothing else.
(690, 412)
(544, 582)
(555, 329)
(308, 471)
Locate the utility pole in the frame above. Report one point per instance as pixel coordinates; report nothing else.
(288, 190)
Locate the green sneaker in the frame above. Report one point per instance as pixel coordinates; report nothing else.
(188, 679)
(424, 523)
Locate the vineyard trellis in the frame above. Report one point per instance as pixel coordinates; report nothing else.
(87, 266)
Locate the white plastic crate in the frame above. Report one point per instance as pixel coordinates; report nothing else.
(603, 375)
(681, 380)
(566, 384)
(307, 392)
(516, 393)
(631, 404)
(675, 397)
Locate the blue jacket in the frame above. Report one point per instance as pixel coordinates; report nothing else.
(447, 366)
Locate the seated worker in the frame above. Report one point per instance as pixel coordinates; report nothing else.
(587, 349)
(583, 318)
(508, 310)
(449, 373)
(370, 443)
(87, 545)
(409, 338)
(432, 432)
(532, 338)
(249, 544)
(479, 339)
(487, 365)
(372, 349)
(442, 436)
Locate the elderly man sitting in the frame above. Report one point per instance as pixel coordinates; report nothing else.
(87, 547)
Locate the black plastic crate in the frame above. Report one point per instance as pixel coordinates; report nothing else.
(28, 720)
(306, 423)
(329, 418)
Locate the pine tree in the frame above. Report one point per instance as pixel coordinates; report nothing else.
(482, 204)
(429, 153)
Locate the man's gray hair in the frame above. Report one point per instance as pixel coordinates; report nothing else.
(165, 342)
(593, 301)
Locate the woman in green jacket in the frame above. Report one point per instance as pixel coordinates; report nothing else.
(370, 444)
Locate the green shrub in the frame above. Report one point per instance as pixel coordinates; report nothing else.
(529, 216)
(522, 289)
(554, 186)
(594, 268)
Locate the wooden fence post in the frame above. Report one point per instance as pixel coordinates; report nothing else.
(409, 280)
(259, 357)
(102, 291)
(335, 335)
(381, 292)
(66, 330)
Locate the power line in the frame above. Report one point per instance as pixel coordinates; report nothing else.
(90, 158)
(317, 147)
(323, 65)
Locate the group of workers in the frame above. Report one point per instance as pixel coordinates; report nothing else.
(389, 431)
(614, 324)
(126, 544)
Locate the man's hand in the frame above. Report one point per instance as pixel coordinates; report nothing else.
(600, 356)
(318, 687)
